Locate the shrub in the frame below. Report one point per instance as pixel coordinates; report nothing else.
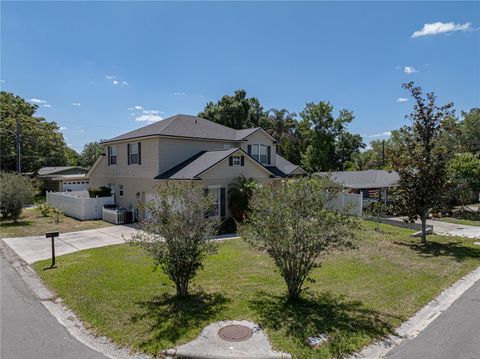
(55, 213)
(44, 209)
(239, 194)
(293, 222)
(177, 234)
(101, 191)
(15, 193)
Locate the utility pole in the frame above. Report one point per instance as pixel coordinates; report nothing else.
(383, 153)
(19, 167)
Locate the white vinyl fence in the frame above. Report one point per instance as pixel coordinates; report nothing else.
(351, 203)
(78, 204)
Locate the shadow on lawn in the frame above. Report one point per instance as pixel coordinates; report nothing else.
(9, 223)
(326, 313)
(453, 249)
(171, 317)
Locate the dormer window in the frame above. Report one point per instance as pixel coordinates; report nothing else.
(261, 153)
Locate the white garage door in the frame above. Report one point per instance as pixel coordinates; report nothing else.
(75, 185)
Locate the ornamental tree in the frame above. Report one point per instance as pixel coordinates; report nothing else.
(177, 232)
(295, 224)
(421, 159)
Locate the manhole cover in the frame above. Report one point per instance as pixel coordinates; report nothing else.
(235, 333)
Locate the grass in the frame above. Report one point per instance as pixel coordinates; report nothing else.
(466, 217)
(468, 222)
(32, 223)
(354, 297)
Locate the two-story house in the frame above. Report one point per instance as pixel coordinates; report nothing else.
(187, 148)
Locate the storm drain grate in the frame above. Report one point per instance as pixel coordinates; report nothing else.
(235, 333)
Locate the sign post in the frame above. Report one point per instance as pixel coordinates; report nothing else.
(52, 235)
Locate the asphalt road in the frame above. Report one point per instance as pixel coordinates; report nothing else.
(455, 334)
(28, 330)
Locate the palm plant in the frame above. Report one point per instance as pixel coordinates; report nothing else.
(281, 125)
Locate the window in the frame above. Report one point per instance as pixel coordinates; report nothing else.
(112, 156)
(219, 200)
(134, 157)
(120, 190)
(260, 153)
(237, 161)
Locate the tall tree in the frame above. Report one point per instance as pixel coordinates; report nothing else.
(91, 151)
(42, 143)
(281, 125)
(420, 159)
(470, 129)
(237, 111)
(324, 138)
(464, 173)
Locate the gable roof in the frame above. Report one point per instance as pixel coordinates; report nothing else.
(201, 162)
(187, 126)
(50, 171)
(363, 179)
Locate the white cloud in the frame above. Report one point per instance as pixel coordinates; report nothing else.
(409, 70)
(2, 81)
(440, 28)
(138, 107)
(381, 134)
(37, 100)
(62, 128)
(76, 104)
(110, 77)
(151, 112)
(115, 82)
(179, 93)
(125, 83)
(148, 118)
(402, 99)
(81, 131)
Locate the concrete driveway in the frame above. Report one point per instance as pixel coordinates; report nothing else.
(33, 249)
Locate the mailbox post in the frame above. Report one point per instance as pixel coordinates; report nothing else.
(52, 235)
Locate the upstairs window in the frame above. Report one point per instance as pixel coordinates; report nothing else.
(134, 153)
(112, 155)
(261, 153)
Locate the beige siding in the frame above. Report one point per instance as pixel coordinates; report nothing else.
(261, 137)
(174, 151)
(148, 168)
(224, 175)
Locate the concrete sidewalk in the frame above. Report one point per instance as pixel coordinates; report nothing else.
(33, 249)
(445, 228)
(37, 248)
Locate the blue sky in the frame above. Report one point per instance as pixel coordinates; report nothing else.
(101, 69)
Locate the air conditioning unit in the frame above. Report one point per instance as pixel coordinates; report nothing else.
(114, 215)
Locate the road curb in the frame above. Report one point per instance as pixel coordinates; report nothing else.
(62, 314)
(418, 322)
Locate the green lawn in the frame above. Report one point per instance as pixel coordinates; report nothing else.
(31, 223)
(468, 222)
(356, 296)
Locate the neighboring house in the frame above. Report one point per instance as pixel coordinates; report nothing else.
(62, 179)
(187, 148)
(372, 184)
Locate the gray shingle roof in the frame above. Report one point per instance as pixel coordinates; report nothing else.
(283, 168)
(44, 171)
(363, 179)
(187, 126)
(197, 164)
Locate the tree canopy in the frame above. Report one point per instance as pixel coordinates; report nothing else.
(42, 143)
(90, 153)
